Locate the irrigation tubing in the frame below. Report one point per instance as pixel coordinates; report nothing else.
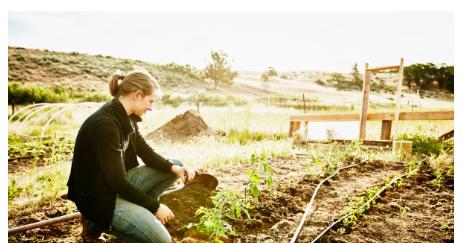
(44, 223)
(309, 206)
(60, 219)
(369, 201)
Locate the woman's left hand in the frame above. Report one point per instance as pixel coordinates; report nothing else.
(186, 173)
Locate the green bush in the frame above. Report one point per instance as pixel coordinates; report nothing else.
(168, 99)
(95, 97)
(425, 145)
(27, 94)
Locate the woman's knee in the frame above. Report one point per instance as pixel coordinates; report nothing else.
(164, 238)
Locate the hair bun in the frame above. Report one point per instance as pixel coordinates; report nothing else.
(115, 82)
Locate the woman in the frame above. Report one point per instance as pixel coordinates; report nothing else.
(113, 193)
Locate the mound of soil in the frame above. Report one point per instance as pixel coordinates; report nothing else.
(187, 125)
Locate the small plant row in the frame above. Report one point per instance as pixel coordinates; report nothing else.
(50, 148)
(230, 204)
(308, 208)
(362, 204)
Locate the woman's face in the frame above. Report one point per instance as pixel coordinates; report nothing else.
(143, 103)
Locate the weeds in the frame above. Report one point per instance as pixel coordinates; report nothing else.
(245, 136)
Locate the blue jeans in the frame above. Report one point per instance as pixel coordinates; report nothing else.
(134, 223)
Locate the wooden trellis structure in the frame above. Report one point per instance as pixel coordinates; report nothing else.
(367, 89)
(387, 118)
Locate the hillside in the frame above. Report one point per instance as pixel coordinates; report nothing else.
(83, 74)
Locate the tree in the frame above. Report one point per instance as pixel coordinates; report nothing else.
(219, 70)
(356, 77)
(425, 75)
(269, 73)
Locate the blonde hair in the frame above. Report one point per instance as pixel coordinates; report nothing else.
(122, 85)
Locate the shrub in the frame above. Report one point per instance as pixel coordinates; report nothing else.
(22, 94)
(320, 82)
(95, 97)
(425, 145)
(168, 99)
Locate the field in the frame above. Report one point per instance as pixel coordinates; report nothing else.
(418, 208)
(268, 182)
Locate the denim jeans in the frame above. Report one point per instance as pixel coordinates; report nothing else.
(134, 223)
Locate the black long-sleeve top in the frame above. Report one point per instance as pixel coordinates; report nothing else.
(106, 147)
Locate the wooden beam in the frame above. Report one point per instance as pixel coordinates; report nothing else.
(383, 68)
(386, 130)
(364, 103)
(418, 115)
(365, 142)
(398, 97)
(326, 117)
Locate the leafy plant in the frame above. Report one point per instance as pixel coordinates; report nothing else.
(259, 169)
(213, 224)
(425, 145)
(231, 205)
(440, 179)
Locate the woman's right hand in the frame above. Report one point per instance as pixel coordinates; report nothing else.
(164, 214)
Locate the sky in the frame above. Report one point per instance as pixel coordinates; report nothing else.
(254, 41)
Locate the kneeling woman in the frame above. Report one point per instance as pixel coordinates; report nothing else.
(111, 190)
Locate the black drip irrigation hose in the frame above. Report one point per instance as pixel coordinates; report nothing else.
(308, 208)
(59, 219)
(370, 200)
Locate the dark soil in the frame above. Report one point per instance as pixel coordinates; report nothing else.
(415, 212)
(278, 216)
(184, 204)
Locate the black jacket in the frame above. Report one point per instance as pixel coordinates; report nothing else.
(106, 147)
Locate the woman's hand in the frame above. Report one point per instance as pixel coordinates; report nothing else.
(164, 214)
(186, 173)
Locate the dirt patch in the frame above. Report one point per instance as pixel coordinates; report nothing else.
(184, 126)
(184, 204)
(277, 216)
(68, 231)
(280, 213)
(416, 212)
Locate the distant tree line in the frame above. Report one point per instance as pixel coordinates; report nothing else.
(416, 76)
(429, 76)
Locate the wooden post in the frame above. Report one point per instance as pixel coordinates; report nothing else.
(304, 104)
(398, 98)
(364, 103)
(305, 131)
(197, 105)
(294, 126)
(386, 130)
